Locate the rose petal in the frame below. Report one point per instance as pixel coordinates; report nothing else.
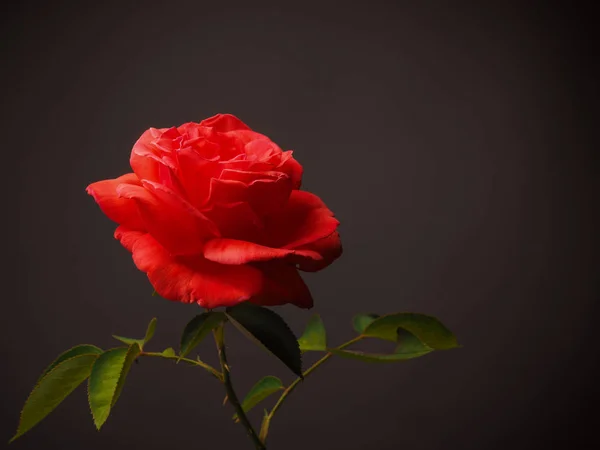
(145, 157)
(266, 192)
(303, 220)
(118, 209)
(176, 224)
(233, 251)
(237, 221)
(193, 279)
(128, 237)
(329, 248)
(283, 284)
(224, 122)
(292, 167)
(195, 173)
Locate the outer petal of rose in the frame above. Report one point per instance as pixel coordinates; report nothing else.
(283, 284)
(121, 210)
(303, 220)
(330, 249)
(176, 224)
(145, 158)
(224, 122)
(128, 237)
(232, 251)
(193, 279)
(292, 167)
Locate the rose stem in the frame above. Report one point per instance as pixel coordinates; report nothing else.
(264, 429)
(231, 395)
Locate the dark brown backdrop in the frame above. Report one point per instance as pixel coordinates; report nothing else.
(454, 141)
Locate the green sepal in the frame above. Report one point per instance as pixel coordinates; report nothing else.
(260, 391)
(267, 329)
(52, 389)
(314, 337)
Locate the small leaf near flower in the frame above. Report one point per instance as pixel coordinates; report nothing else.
(268, 330)
(141, 342)
(197, 329)
(314, 336)
(169, 352)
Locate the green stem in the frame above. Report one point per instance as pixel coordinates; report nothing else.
(231, 395)
(194, 362)
(264, 429)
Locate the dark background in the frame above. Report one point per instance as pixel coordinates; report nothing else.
(454, 141)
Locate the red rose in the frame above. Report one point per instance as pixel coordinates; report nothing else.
(213, 214)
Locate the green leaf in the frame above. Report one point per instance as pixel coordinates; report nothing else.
(314, 336)
(150, 331)
(107, 380)
(268, 330)
(154, 293)
(260, 391)
(85, 349)
(129, 341)
(376, 357)
(141, 342)
(170, 352)
(52, 389)
(197, 329)
(427, 329)
(362, 321)
(409, 344)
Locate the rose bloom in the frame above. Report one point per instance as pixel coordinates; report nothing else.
(213, 214)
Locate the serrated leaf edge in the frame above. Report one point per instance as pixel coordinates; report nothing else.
(112, 404)
(17, 435)
(46, 371)
(243, 329)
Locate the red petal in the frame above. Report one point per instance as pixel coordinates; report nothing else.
(128, 237)
(232, 251)
(237, 221)
(304, 220)
(194, 279)
(176, 224)
(283, 284)
(145, 158)
(292, 167)
(195, 173)
(329, 248)
(121, 210)
(266, 192)
(224, 122)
